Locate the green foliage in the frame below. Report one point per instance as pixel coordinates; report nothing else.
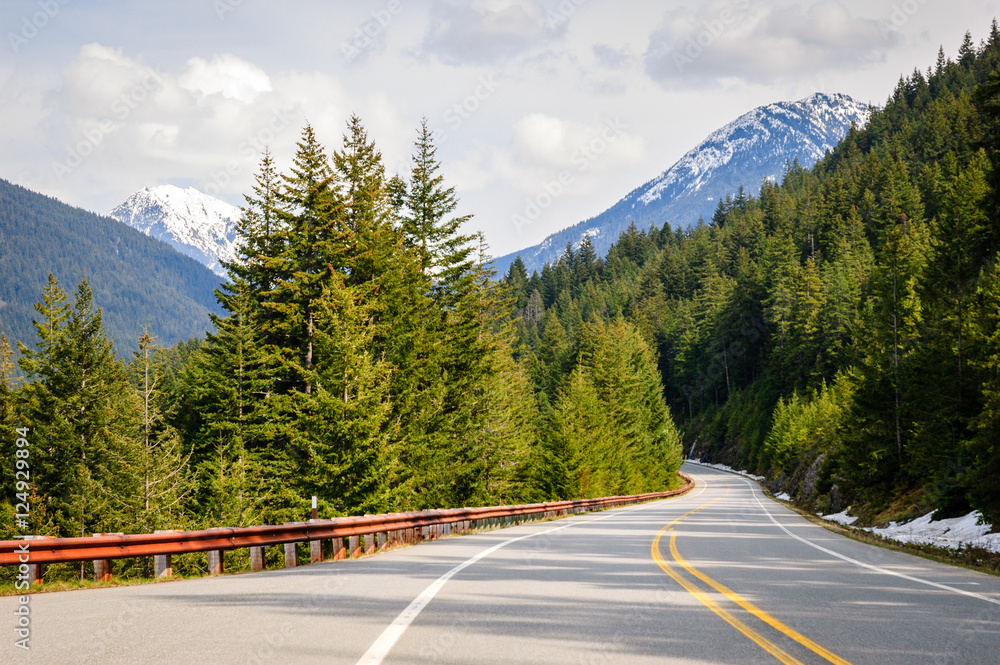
(77, 407)
(805, 427)
(135, 278)
(366, 356)
(611, 429)
(879, 264)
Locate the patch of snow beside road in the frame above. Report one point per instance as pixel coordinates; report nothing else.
(966, 531)
(841, 518)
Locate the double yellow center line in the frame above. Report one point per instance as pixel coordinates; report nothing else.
(709, 602)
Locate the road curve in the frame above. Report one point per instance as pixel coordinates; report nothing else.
(720, 575)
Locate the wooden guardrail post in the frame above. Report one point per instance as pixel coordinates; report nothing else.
(355, 546)
(315, 546)
(369, 543)
(162, 567)
(257, 560)
(216, 562)
(103, 567)
(382, 540)
(291, 550)
(102, 570)
(36, 571)
(338, 549)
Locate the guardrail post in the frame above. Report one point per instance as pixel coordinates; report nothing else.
(355, 546)
(103, 567)
(257, 560)
(162, 567)
(315, 547)
(36, 571)
(102, 570)
(216, 562)
(291, 551)
(382, 539)
(338, 549)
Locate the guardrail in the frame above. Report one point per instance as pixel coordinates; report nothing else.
(366, 534)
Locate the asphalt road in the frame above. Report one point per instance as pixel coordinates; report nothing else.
(720, 575)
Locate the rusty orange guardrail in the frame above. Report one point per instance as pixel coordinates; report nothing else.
(392, 528)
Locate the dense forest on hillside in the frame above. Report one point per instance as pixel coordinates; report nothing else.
(365, 356)
(838, 332)
(135, 278)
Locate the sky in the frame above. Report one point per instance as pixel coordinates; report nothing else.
(100, 98)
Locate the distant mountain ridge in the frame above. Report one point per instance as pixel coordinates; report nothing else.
(756, 146)
(135, 279)
(193, 223)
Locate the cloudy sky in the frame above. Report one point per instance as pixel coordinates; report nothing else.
(99, 98)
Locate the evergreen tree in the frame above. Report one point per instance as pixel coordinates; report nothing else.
(315, 240)
(429, 225)
(260, 233)
(233, 383)
(516, 280)
(343, 426)
(9, 423)
(77, 409)
(152, 479)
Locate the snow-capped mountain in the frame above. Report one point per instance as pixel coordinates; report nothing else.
(754, 147)
(193, 223)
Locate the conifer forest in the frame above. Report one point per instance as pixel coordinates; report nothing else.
(837, 331)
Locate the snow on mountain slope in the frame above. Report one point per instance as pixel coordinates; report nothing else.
(194, 223)
(755, 147)
(816, 124)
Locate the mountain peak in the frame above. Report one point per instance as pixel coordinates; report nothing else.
(194, 223)
(753, 148)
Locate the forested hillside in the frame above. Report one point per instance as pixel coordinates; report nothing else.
(838, 332)
(365, 356)
(136, 279)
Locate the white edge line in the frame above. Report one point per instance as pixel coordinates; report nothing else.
(869, 566)
(381, 647)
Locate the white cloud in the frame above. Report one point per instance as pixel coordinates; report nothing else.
(227, 75)
(487, 31)
(612, 58)
(740, 40)
(542, 141)
(542, 138)
(114, 118)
